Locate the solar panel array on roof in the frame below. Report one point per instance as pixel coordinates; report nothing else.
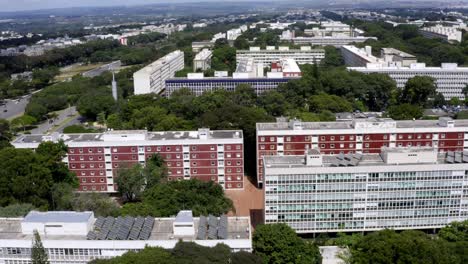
(121, 228)
(212, 227)
(202, 228)
(145, 232)
(346, 160)
(223, 227)
(457, 157)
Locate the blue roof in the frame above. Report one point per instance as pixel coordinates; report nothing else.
(57, 216)
(184, 216)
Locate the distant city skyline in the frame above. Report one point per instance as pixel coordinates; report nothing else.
(24, 5)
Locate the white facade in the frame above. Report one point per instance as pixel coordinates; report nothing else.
(305, 55)
(449, 78)
(360, 57)
(355, 192)
(151, 78)
(330, 41)
(202, 60)
(448, 34)
(15, 244)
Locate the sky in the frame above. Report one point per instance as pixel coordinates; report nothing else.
(19, 5)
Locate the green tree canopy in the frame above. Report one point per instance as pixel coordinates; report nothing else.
(278, 243)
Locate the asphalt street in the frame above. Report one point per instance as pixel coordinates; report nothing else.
(14, 108)
(46, 126)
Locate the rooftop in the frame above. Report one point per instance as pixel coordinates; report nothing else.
(131, 135)
(161, 61)
(364, 160)
(58, 216)
(203, 55)
(238, 228)
(351, 125)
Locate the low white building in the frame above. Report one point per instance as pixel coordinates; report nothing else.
(329, 41)
(449, 34)
(449, 78)
(79, 237)
(151, 79)
(304, 55)
(202, 60)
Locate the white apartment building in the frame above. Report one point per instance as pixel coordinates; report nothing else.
(248, 68)
(333, 29)
(357, 57)
(304, 55)
(79, 237)
(329, 41)
(409, 188)
(151, 78)
(448, 34)
(449, 78)
(202, 60)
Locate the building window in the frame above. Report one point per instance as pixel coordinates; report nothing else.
(82, 166)
(85, 188)
(332, 138)
(212, 148)
(194, 171)
(238, 155)
(341, 137)
(158, 149)
(194, 156)
(93, 173)
(91, 165)
(238, 163)
(262, 139)
(177, 148)
(262, 146)
(385, 137)
(239, 185)
(114, 149)
(81, 150)
(93, 188)
(99, 158)
(168, 148)
(442, 135)
(91, 158)
(116, 157)
(101, 179)
(351, 137)
(322, 138)
(288, 139)
(213, 171)
(228, 155)
(194, 164)
(169, 164)
(332, 145)
(228, 147)
(229, 163)
(103, 188)
(213, 163)
(272, 139)
(366, 145)
(148, 148)
(238, 147)
(272, 147)
(81, 158)
(83, 179)
(194, 147)
(72, 151)
(83, 173)
(168, 156)
(213, 156)
(322, 145)
(133, 149)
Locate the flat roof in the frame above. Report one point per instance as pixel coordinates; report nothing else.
(58, 216)
(143, 134)
(373, 159)
(349, 125)
(238, 228)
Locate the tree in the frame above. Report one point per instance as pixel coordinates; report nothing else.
(241, 43)
(23, 122)
(333, 57)
(100, 204)
(439, 100)
(38, 252)
(388, 247)
(16, 210)
(169, 198)
(148, 255)
(278, 243)
(455, 231)
(333, 103)
(418, 90)
(405, 112)
(455, 101)
(131, 182)
(5, 134)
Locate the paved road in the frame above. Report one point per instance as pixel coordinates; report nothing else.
(14, 108)
(45, 126)
(75, 121)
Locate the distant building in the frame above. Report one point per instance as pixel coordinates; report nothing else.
(151, 78)
(80, 237)
(96, 158)
(199, 45)
(448, 34)
(287, 67)
(356, 57)
(304, 55)
(398, 188)
(449, 78)
(24, 76)
(332, 29)
(329, 41)
(202, 60)
(198, 86)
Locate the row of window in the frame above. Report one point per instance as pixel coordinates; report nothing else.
(168, 148)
